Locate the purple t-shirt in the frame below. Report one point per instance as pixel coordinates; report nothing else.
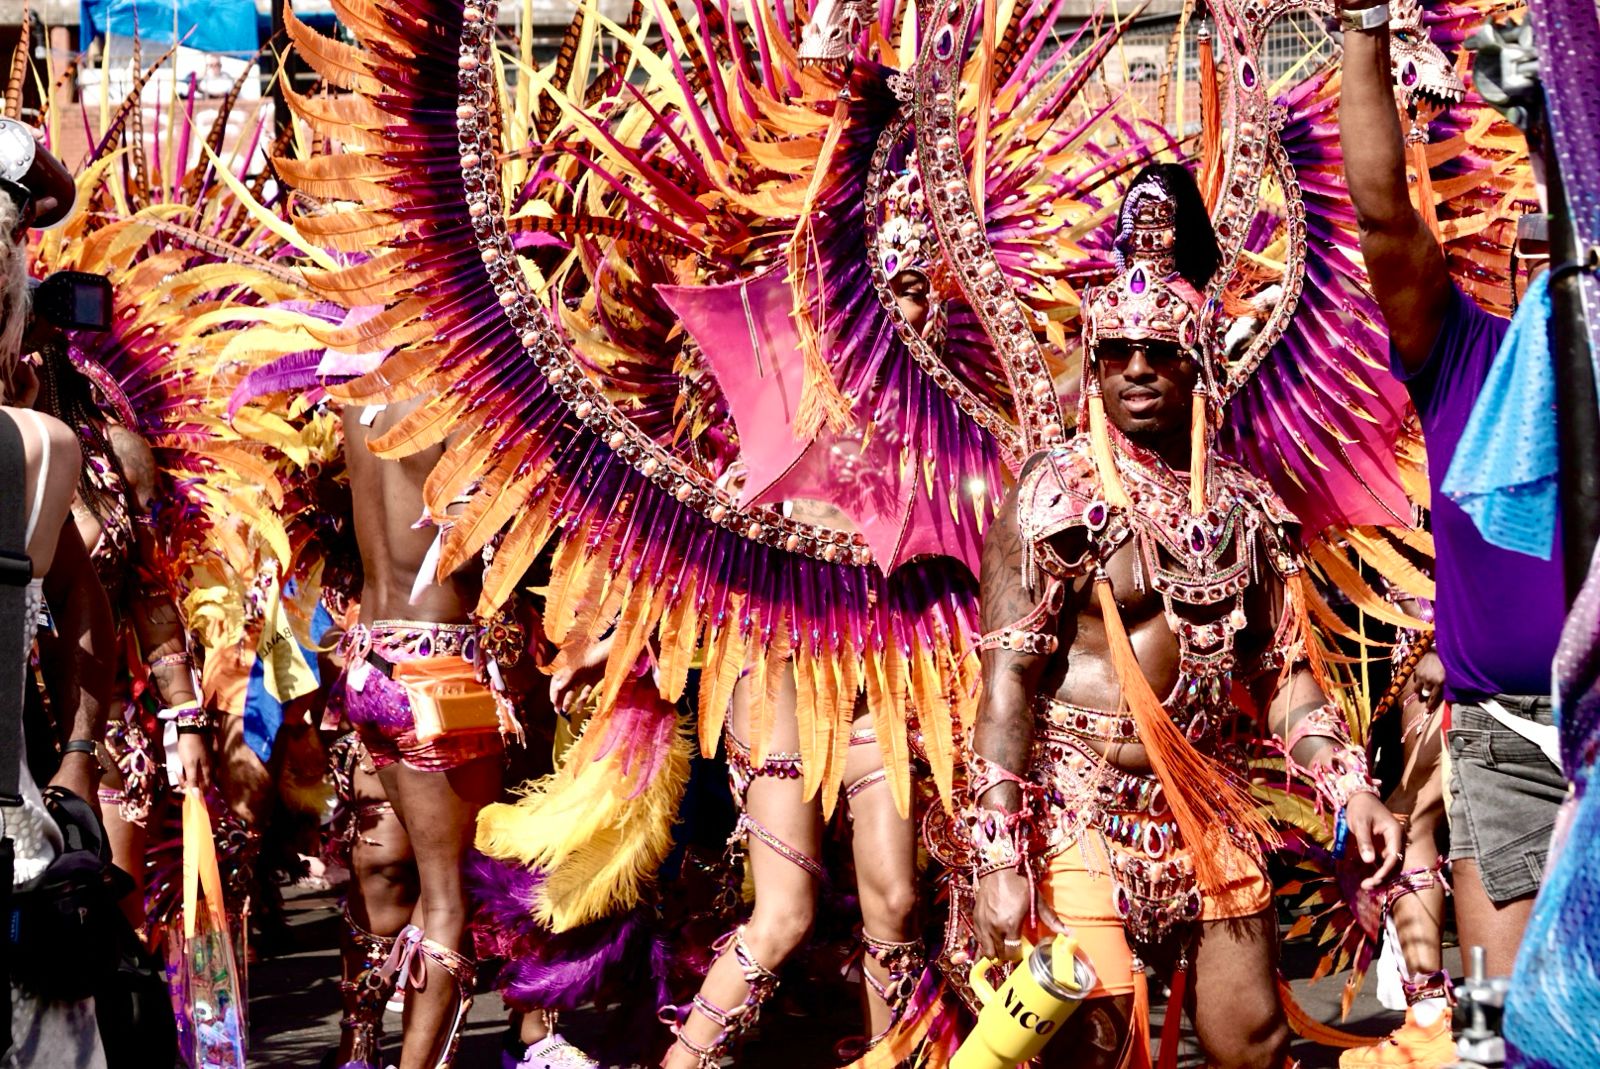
(1498, 615)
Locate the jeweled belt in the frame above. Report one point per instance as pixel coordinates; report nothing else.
(1154, 889)
(409, 640)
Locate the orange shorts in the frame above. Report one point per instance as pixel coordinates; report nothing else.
(1084, 902)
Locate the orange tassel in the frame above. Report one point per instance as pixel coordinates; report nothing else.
(1172, 1027)
(1100, 440)
(1308, 1027)
(1210, 122)
(1199, 434)
(1136, 1053)
(1204, 797)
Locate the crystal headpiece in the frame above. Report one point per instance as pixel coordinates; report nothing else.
(1148, 300)
(834, 29)
(1423, 73)
(905, 241)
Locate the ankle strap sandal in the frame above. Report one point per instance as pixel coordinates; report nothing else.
(761, 984)
(363, 1017)
(405, 965)
(904, 963)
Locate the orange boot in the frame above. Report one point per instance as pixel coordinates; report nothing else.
(1413, 1045)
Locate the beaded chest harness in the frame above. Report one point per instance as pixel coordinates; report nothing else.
(1190, 561)
(1206, 562)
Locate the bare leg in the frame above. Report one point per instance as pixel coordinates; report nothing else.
(128, 842)
(440, 812)
(1236, 1011)
(1419, 917)
(786, 894)
(382, 898)
(1498, 929)
(885, 848)
(246, 783)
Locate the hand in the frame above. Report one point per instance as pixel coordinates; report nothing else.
(80, 774)
(1426, 684)
(1005, 899)
(195, 757)
(1377, 835)
(574, 684)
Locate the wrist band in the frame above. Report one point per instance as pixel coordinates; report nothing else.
(189, 715)
(170, 660)
(85, 746)
(1366, 18)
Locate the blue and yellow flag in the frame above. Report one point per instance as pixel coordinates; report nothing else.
(285, 669)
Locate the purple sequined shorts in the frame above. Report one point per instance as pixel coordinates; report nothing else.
(381, 713)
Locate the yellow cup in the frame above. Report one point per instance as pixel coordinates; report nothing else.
(1030, 1007)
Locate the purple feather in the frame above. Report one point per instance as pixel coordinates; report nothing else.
(562, 971)
(297, 372)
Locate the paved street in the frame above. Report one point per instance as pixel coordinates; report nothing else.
(295, 1007)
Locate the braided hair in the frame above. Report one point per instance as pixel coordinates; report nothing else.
(67, 394)
(1195, 247)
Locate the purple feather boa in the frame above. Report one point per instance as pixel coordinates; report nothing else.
(573, 969)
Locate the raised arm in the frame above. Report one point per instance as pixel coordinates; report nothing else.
(1406, 266)
(1002, 742)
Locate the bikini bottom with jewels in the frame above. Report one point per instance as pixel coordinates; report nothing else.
(1120, 823)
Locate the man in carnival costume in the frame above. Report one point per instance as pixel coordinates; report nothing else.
(1127, 564)
(1504, 792)
(417, 694)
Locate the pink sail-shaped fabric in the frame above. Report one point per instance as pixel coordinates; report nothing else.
(869, 474)
(751, 345)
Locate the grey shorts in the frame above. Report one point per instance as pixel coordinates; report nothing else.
(1504, 795)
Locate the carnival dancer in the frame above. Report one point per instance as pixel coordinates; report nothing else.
(430, 726)
(1130, 563)
(780, 831)
(1414, 901)
(112, 513)
(1504, 792)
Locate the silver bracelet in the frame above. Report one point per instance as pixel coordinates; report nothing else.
(1366, 18)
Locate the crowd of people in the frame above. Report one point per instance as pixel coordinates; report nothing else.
(583, 502)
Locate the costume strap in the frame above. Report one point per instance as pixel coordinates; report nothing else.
(1034, 633)
(1344, 774)
(366, 992)
(871, 779)
(407, 968)
(903, 963)
(743, 772)
(760, 985)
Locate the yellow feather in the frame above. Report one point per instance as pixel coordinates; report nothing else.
(679, 635)
(728, 644)
(261, 215)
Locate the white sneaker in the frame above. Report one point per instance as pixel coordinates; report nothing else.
(554, 1052)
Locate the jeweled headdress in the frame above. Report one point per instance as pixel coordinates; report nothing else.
(905, 242)
(1148, 300)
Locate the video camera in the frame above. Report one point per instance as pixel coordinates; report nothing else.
(71, 300)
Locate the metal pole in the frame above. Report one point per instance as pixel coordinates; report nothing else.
(1577, 402)
(275, 70)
